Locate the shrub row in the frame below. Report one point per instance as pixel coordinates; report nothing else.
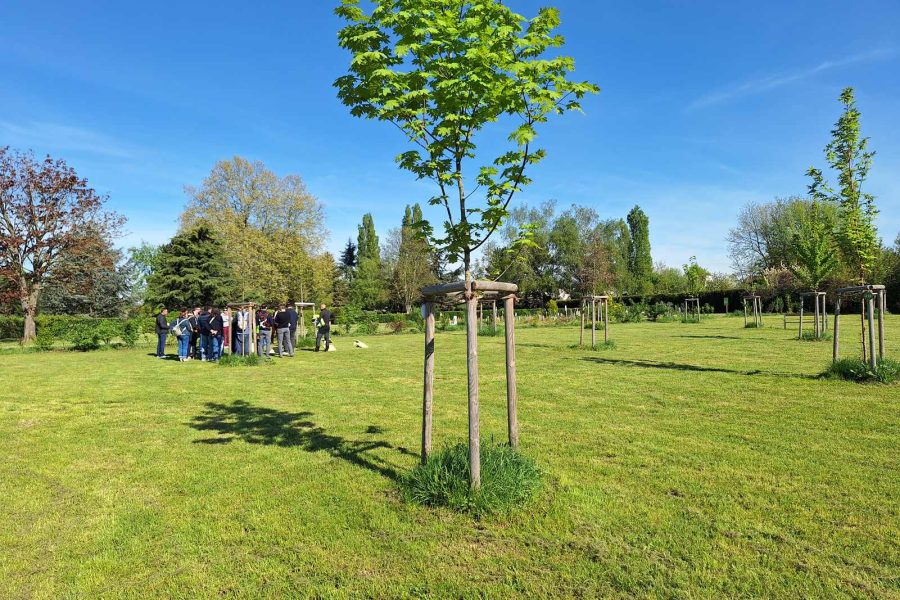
(82, 333)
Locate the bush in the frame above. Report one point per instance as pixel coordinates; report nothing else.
(660, 309)
(552, 308)
(508, 479)
(43, 342)
(489, 331)
(856, 369)
(85, 336)
(707, 309)
(11, 327)
(367, 328)
(633, 313)
(131, 332)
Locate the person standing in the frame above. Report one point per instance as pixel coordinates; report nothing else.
(162, 332)
(182, 330)
(292, 314)
(264, 333)
(205, 341)
(195, 334)
(217, 333)
(242, 332)
(323, 328)
(283, 327)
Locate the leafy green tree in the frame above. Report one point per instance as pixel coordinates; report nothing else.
(640, 263)
(89, 280)
(272, 228)
(191, 270)
(815, 256)
(616, 237)
(409, 257)
(847, 153)
(668, 280)
(441, 71)
(368, 289)
(695, 277)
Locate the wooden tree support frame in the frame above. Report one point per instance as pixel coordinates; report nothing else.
(599, 307)
(473, 293)
(694, 305)
(756, 304)
(820, 314)
(301, 325)
(872, 298)
(251, 308)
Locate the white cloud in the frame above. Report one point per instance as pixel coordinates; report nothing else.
(765, 84)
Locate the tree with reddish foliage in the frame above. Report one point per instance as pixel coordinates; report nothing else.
(44, 206)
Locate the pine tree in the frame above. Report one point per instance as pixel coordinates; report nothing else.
(191, 270)
(640, 262)
(348, 256)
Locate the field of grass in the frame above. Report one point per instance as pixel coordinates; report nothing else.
(688, 461)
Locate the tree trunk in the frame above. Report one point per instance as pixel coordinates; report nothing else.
(29, 308)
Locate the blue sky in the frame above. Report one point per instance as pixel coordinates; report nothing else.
(704, 107)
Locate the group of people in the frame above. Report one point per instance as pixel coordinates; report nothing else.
(204, 332)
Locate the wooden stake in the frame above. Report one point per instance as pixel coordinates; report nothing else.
(862, 323)
(745, 312)
(428, 392)
(606, 321)
(816, 328)
(882, 307)
(511, 393)
(873, 360)
(494, 315)
(593, 323)
(837, 330)
(472, 368)
(581, 332)
(800, 330)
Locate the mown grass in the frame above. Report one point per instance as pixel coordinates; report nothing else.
(702, 461)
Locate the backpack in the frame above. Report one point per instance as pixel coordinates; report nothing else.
(182, 328)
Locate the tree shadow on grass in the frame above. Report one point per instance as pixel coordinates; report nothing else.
(656, 364)
(259, 425)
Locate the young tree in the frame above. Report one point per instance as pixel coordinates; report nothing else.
(640, 263)
(847, 154)
(191, 270)
(814, 255)
(44, 206)
(695, 277)
(440, 71)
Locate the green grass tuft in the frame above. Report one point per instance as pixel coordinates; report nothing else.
(753, 326)
(489, 331)
(810, 336)
(855, 369)
(234, 360)
(509, 479)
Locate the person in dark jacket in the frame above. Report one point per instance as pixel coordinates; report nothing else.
(216, 333)
(162, 332)
(283, 329)
(193, 351)
(323, 328)
(264, 326)
(205, 336)
(292, 315)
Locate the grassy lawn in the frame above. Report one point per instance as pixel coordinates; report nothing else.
(690, 461)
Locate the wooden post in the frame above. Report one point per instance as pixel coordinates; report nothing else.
(837, 330)
(303, 322)
(824, 314)
(428, 392)
(472, 369)
(606, 321)
(494, 315)
(745, 312)
(862, 323)
(882, 307)
(511, 394)
(800, 330)
(816, 330)
(581, 332)
(593, 324)
(870, 304)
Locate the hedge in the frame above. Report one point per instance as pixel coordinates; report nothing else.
(83, 333)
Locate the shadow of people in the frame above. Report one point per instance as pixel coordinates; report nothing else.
(242, 421)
